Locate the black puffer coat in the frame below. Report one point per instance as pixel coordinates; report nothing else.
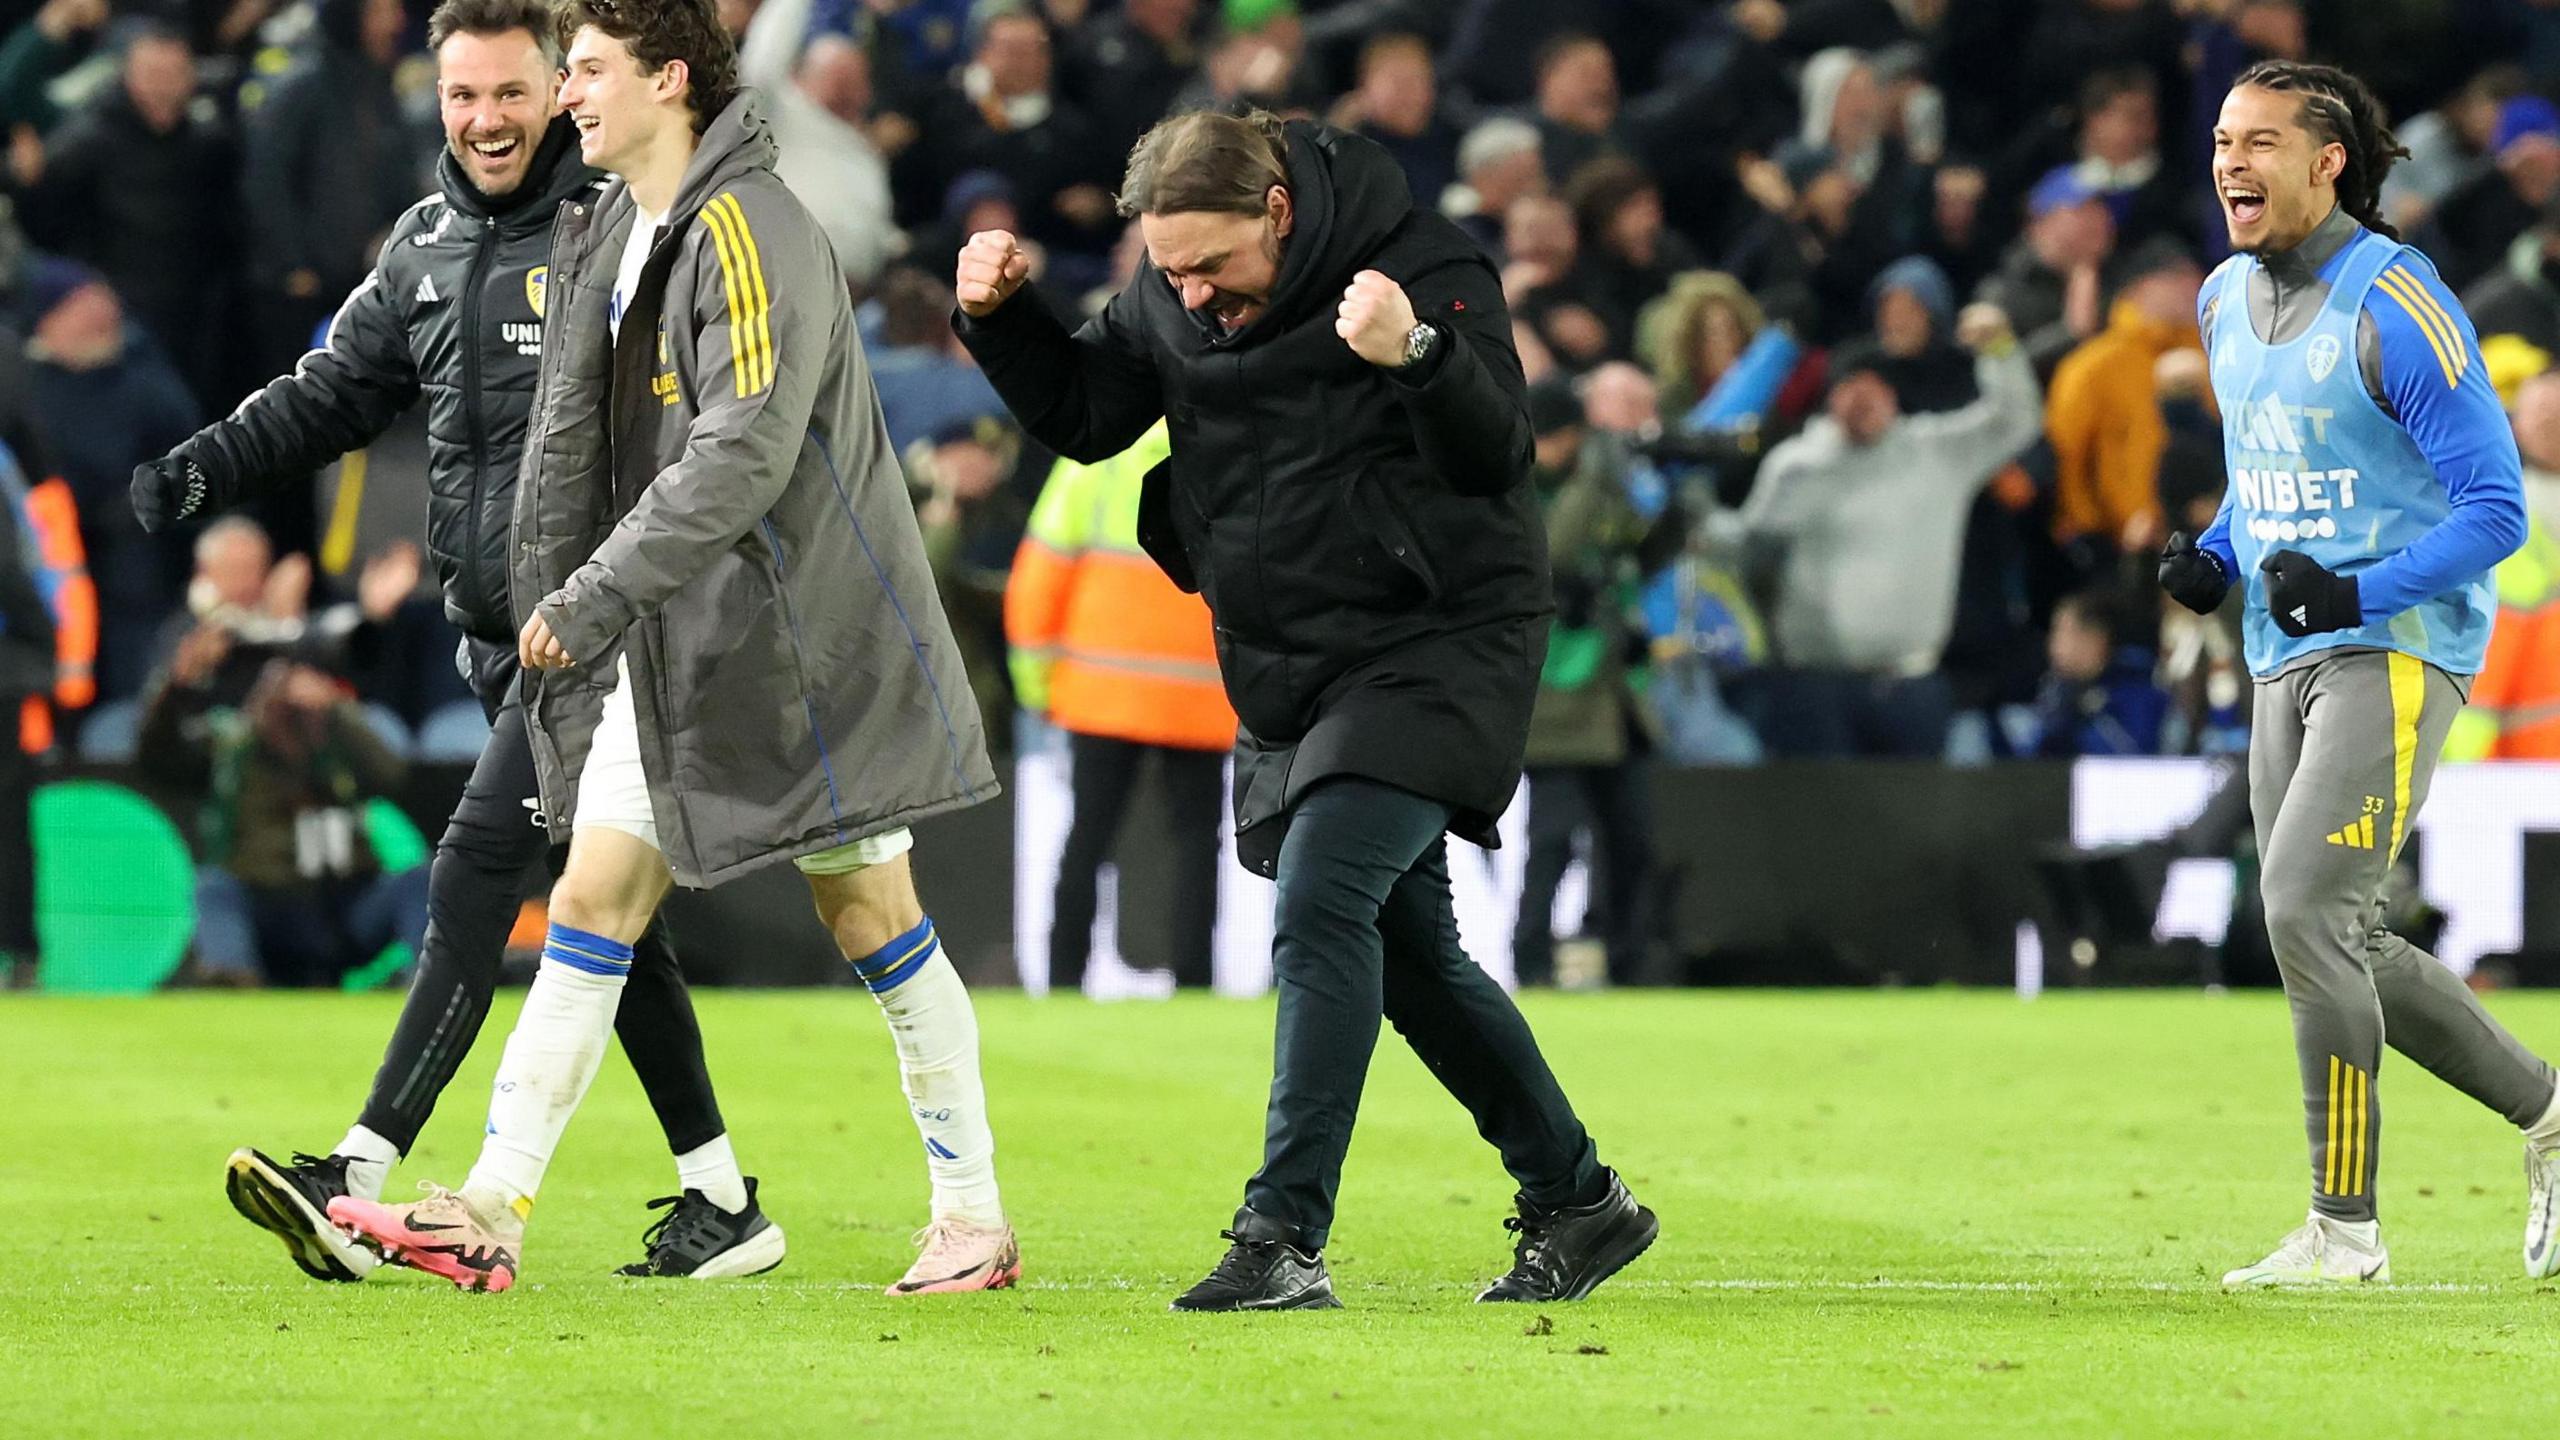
(1365, 539)
(452, 309)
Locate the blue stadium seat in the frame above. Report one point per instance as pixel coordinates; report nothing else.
(109, 734)
(454, 734)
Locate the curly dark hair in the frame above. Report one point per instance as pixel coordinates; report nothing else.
(657, 31)
(2337, 109)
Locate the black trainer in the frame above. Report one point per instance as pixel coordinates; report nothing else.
(1564, 1254)
(291, 1202)
(698, 1240)
(1263, 1270)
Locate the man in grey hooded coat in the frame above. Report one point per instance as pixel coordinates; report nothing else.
(735, 652)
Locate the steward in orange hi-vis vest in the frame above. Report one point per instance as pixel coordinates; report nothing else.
(1102, 642)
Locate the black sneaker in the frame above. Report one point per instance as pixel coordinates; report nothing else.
(1564, 1254)
(1262, 1271)
(698, 1240)
(291, 1202)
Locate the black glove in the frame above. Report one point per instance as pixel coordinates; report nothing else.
(2194, 578)
(176, 486)
(2306, 598)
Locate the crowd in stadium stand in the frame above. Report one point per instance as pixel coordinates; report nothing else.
(1791, 515)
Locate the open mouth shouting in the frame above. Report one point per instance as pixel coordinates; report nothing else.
(2244, 201)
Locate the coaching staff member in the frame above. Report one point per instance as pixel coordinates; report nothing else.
(1347, 491)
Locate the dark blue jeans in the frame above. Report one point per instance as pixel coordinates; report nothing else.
(1365, 929)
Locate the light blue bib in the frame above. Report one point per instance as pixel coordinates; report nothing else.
(2316, 466)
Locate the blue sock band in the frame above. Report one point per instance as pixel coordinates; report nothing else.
(897, 962)
(580, 950)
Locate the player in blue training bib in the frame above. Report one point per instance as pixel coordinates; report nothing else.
(2374, 485)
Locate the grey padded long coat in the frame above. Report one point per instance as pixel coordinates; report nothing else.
(714, 499)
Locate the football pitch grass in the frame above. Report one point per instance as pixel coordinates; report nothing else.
(1882, 1213)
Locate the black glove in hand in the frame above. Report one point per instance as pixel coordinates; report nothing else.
(2194, 578)
(2306, 598)
(173, 487)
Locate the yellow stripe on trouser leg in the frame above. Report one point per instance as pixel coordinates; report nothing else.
(2329, 1169)
(2408, 698)
(2354, 1171)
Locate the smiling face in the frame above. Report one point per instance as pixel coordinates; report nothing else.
(2276, 179)
(1221, 262)
(619, 108)
(496, 94)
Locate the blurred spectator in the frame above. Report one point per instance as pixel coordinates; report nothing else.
(2052, 284)
(330, 163)
(1001, 113)
(26, 672)
(1126, 66)
(1866, 512)
(927, 382)
(1577, 103)
(1815, 246)
(1397, 104)
(109, 399)
(141, 189)
(2449, 147)
(2479, 221)
(2514, 710)
(1110, 652)
(2522, 296)
(2118, 158)
(1546, 285)
(972, 523)
(828, 158)
(2098, 697)
(1627, 256)
(2103, 412)
(1260, 58)
(1499, 164)
(1913, 307)
(288, 889)
(1694, 333)
(2200, 660)
(35, 53)
(1586, 749)
(1800, 28)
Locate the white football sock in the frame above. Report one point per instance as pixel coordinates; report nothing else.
(551, 1058)
(369, 1162)
(712, 1168)
(936, 1031)
(2545, 1132)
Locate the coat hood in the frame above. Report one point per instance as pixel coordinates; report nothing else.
(739, 139)
(555, 175)
(1350, 195)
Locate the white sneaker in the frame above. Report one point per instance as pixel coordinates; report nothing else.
(2322, 1252)
(2542, 1192)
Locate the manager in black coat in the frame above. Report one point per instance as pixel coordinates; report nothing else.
(1350, 442)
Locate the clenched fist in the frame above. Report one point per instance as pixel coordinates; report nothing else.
(1374, 319)
(992, 267)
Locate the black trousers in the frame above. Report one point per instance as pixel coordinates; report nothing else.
(1365, 928)
(1103, 772)
(17, 849)
(489, 851)
(1614, 801)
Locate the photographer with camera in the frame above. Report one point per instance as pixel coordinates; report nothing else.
(249, 721)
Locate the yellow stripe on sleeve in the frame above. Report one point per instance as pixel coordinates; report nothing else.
(2397, 286)
(758, 301)
(2408, 698)
(2445, 325)
(713, 222)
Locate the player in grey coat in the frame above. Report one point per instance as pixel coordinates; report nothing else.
(738, 655)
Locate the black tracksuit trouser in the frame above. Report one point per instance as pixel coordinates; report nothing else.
(1365, 928)
(483, 863)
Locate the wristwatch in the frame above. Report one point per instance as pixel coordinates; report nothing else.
(1418, 343)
